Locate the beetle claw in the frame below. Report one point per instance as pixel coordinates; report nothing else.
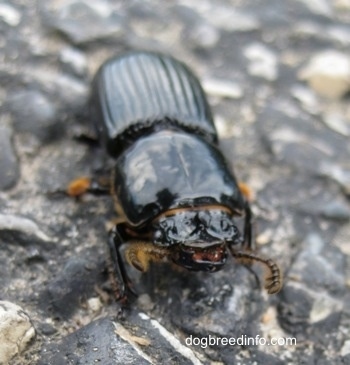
(273, 283)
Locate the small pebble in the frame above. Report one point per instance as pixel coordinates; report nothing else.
(323, 306)
(204, 35)
(321, 7)
(328, 73)
(345, 350)
(222, 88)
(9, 14)
(223, 127)
(307, 99)
(337, 122)
(232, 20)
(94, 304)
(338, 173)
(16, 331)
(262, 61)
(74, 60)
(70, 90)
(342, 5)
(264, 237)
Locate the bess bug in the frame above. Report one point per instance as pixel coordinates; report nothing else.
(171, 184)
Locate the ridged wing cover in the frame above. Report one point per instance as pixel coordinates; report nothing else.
(141, 92)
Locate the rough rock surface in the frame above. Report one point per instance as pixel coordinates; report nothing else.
(288, 143)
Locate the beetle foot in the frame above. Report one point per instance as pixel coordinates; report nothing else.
(273, 283)
(122, 293)
(137, 257)
(117, 289)
(140, 254)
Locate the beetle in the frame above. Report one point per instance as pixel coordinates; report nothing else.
(171, 185)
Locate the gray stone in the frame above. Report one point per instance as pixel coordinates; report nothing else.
(333, 33)
(86, 21)
(73, 284)
(336, 210)
(35, 114)
(9, 222)
(197, 31)
(109, 341)
(9, 167)
(319, 264)
(68, 91)
(338, 173)
(95, 343)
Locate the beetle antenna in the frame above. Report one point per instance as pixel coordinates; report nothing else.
(273, 282)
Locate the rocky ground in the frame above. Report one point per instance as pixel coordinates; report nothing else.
(277, 75)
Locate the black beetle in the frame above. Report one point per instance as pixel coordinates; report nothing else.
(171, 184)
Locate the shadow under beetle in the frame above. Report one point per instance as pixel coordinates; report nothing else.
(171, 185)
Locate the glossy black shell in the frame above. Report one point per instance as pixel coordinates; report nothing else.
(169, 170)
(152, 115)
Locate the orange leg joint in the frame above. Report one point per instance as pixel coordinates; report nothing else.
(246, 191)
(78, 186)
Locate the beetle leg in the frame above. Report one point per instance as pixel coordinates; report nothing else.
(117, 272)
(140, 254)
(273, 282)
(248, 242)
(87, 137)
(94, 185)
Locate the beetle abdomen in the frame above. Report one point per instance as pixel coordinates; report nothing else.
(143, 92)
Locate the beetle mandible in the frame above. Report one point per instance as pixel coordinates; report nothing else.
(171, 184)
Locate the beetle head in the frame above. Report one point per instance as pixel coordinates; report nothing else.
(197, 238)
